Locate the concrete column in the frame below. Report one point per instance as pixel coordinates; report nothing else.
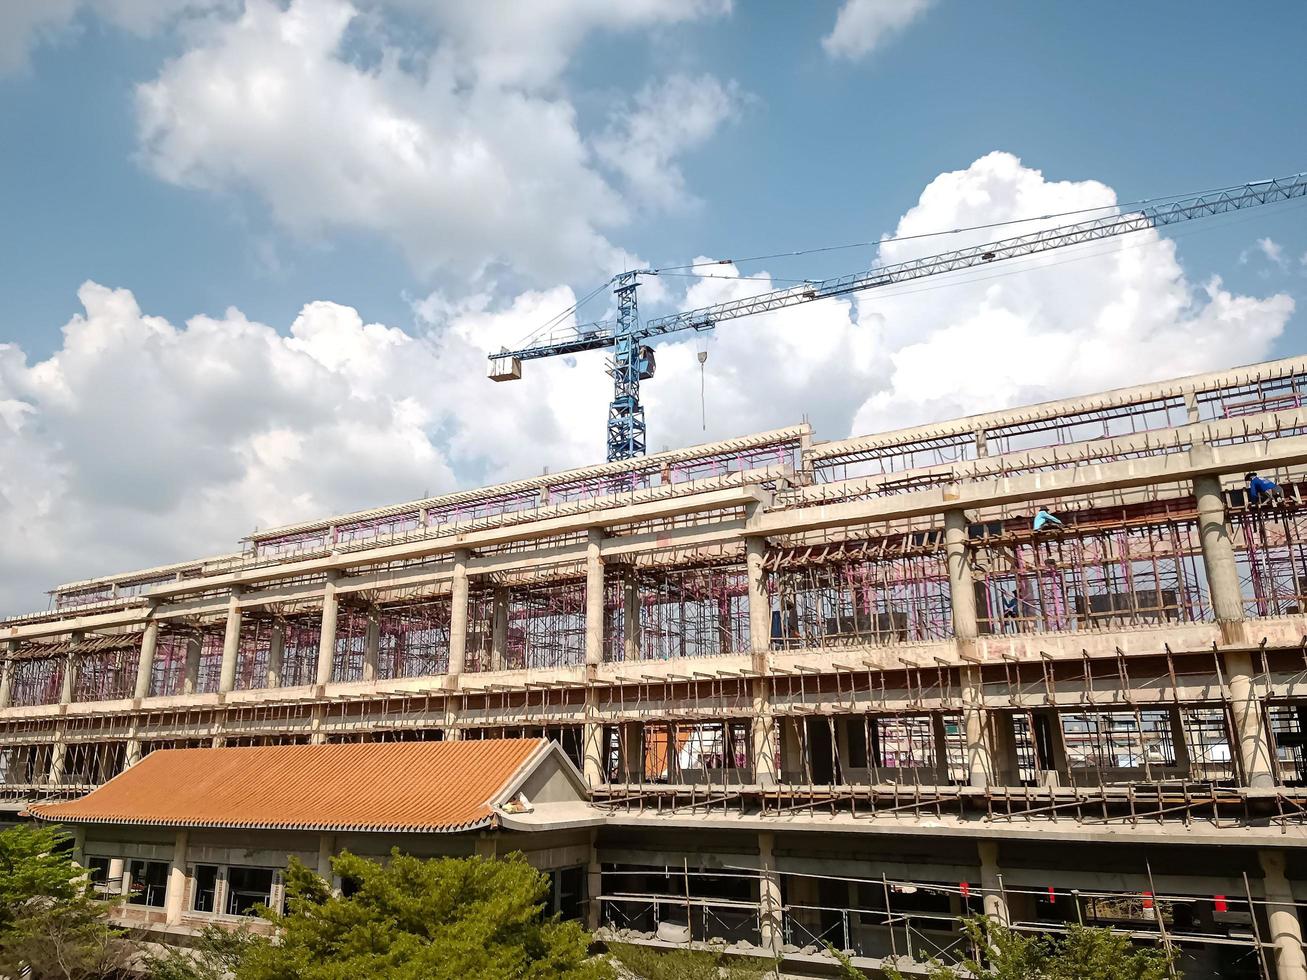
(499, 628)
(962, 592)
(1178, 741)
(631, 617)
(7, 675)
(1218, 551)
(326, 848)
(70, 671)
(145, 666)
(1250, 728)
(1003, 738)
(939, 733)
(594, 598)
(1282, 915)
(191, 678)
(770, 909)
(79, 845)
(175, 897)
(792, 748)
(594, 883)
(759, 601)
(372, 645)
(58, 755)
(592, 739)
(1058, 765)
(132, 755)
(276, 654)
(633, 752)
(763, 734)
(995, 902)
(231, 643)
(487, 846)
(115, 874)
(327, 641)
(980, 760)
(458, 614)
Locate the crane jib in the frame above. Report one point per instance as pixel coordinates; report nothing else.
(632, 361)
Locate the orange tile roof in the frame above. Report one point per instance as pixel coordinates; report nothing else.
(435, 787)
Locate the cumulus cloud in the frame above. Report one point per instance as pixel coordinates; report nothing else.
(668, 118)
(861, 26)
(27, 23)
(431, 150)
(140, 442)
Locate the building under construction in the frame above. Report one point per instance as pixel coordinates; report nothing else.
(815, 692)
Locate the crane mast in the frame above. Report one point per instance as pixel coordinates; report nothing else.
(633, 360)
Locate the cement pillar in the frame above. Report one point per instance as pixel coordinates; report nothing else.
(58, 755)
(327, 641)
(132, 754)
(1058, 765)
(231, 644)
(632, 752)
(1003, 738)
(759, 601)
(962, 593)
(7, 675)
(79, 845)
(326, 848)
(939, 734)
(372, 645)
(145, 666)
(175, 897)
(842, 748)
(594, 883)
(792, 748)
(458, 614)
(980, 760)
(499, 628)
(114, 877)
(594, 598)
(1250, 728)
(770, 909)
(631, 618)
(763, 734)
(1282, 915)
(191, 677)
(592, 738)
(1179, 743)
(70, 671)
(995, 902)
(276, 654)
(487, 846)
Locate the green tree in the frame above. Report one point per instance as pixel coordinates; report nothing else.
(413, 919)
(51, 923)
(648, 963)
(1082, 954)
(216, 955)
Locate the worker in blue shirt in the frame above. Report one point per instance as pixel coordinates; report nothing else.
(1261, 490)
(1044, 519)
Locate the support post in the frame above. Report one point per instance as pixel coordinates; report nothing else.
(499, 628)
(991, 884)
(1255, 752)
(763, 734)
(70, 670)
(594, 883)
(594, 598)
(175, 896)
(326, 848)
(939, 736)
(980, 760)
(372, 645)
(458, 614)
(962, 592)
(759, 602)
(631, 617)
(7, 674)
(191, 677)
(276, 653)
(145, 666)
(327, 641)
(1282, 916)
(592, 737)
(769, 893)
(231, 643)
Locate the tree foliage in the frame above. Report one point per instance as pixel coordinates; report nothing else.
(216, 955)
(51, 924)
(1083, 953)
(414, 919)
(648, 963)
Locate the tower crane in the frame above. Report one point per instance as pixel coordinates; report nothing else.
(633, 358)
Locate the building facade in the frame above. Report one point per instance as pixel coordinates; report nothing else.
(818, 691)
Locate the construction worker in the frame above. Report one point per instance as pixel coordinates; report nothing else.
(1262, 491)
(1044, 519)
(1011, 610)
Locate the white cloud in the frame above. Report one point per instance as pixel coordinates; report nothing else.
(1273, 251)
(861, 26)
(678, 114)
(429, 151)
(141, 442)
(27, 23)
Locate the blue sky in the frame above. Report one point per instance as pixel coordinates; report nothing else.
(304, 223)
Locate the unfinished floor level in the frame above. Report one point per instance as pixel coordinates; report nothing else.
(818, 691)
